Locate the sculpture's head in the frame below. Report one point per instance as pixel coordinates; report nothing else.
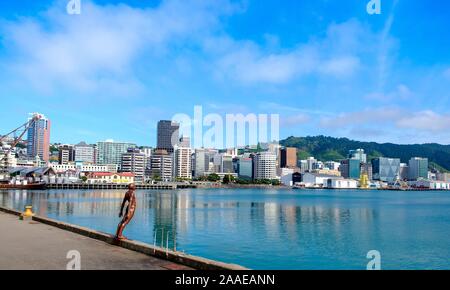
(132, 186)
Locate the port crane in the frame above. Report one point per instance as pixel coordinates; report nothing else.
(23, 129)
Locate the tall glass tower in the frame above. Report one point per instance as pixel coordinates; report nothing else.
(38, 138)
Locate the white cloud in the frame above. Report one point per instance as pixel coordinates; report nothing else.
(401, 93)
(294, 120)
(374, 116)
(99, 47)
(336, 55)
(340, 66)
(425, 121)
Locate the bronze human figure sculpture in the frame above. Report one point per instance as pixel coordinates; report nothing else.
(130, 197)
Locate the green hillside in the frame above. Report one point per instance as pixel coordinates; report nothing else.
(328, 148)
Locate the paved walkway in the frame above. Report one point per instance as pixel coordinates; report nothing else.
(28, 245)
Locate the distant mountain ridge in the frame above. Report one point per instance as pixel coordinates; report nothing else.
(329, 148)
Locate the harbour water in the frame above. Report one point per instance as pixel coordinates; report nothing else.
(269, 229)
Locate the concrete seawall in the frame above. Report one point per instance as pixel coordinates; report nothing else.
(176, 257)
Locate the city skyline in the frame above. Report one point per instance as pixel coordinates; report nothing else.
(327, 67)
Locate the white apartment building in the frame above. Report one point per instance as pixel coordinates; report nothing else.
(134, 161)
(266, 165)
(183, 162)
(162, 166)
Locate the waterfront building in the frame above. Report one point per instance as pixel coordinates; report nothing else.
(200, 163)
(288, 157)
(404, 174)
(386, 169)
(429, 184)
(162, 166)
(245, 167)
(303, 165)
(285, 175)
(25, 162)
(168, 135)
(341, 183)
(310, 179)
(134, 161)
(227, 163)
(28, 175)
(311, 164)
(66, 154)
(38, 138)
(332, 165)
(85, 153)
(327, 171)
(443, 177)
(110, 152)
(366, 169)
(7, 161)
(265, 165)
(113, 168)
(358, 154)
(418, 168)
(183, 162)
(148, 152)
(110, 178)
(79, 166)
(350, 168)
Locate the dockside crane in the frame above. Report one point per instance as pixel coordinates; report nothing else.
(24, 127)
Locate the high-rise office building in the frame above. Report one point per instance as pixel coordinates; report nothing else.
(38, 138)
(110, 152)
(200, 163)
(66, 154)
(183, 159)
(226, 163)
(245, 167)
(85, 153)
(162, 166)
(358, 154)
(265, 165)
(134, 161)
(350, 168)
(386, 169)
(404, 171)
(168, 135)
(288, 157)
(418, 168)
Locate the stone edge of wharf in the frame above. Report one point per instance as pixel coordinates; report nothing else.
(195, 262)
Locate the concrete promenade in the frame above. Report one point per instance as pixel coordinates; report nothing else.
(30, 245)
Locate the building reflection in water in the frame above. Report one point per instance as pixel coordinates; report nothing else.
(185, 219)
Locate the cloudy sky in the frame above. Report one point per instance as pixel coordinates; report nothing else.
(327, 67)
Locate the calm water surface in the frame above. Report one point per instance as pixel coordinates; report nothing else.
(269, 229)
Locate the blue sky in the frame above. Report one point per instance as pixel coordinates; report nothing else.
(327, 67)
